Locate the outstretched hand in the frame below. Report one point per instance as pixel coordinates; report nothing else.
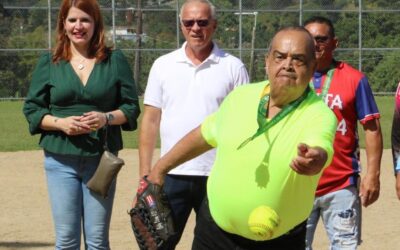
(309, 160)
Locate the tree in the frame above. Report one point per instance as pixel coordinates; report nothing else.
(386, 74)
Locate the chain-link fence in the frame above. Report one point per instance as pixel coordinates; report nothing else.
(146, 29)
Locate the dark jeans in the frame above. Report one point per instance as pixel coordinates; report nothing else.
(207, 235)
(184, 192)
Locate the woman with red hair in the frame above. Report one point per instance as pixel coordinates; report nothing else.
(77, 92)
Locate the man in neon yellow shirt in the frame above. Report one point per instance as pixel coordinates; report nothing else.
(273, 139)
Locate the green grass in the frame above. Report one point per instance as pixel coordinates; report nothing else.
(14, 128)
(386, 108)
(14, 135)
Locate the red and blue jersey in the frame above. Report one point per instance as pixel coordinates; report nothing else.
(396, 132)
(351, 99)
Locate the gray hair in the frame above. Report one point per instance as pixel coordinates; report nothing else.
(210, 5)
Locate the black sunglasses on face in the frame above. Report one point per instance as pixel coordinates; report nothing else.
(200, 23)
(321, 39)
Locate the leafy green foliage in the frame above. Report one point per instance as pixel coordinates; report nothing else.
(385, 76)
(27, 28)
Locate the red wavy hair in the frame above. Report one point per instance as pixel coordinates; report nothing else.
(97, 47)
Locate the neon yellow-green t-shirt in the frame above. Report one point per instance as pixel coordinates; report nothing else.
(259, 173)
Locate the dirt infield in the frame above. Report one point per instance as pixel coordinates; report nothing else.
(26, 223)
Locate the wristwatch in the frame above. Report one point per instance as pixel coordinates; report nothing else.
(109, 118)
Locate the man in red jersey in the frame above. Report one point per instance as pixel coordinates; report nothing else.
(340, 191)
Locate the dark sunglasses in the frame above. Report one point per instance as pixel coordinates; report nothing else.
(200, 23)
(321, 39)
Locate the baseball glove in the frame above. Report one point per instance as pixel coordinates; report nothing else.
(151, 217)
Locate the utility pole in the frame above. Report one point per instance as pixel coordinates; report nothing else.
(253, 39)
(139, 32)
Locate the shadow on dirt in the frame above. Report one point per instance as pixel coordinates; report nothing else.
(23, 245)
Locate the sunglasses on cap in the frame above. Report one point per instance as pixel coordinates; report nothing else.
(200, 23)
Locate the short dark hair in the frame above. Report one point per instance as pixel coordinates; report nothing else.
(310, 44)
(323, 20)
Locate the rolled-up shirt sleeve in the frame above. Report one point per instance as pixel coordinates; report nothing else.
(36, 104)
(129, 103)
(208, 130)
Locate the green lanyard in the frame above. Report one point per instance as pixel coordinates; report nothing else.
(327, 83)
(263, 123)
